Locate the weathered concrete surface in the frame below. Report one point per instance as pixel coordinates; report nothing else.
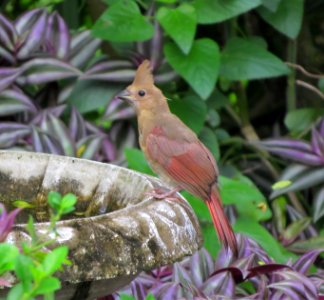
(117, 231)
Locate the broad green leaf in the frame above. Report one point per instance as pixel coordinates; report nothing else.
(16, 292)
(54, 200)
(23, 267)
(22, 204)
(300, 119)
(180, 24)
(123, 22)
(288, 17)
(191, 110)
(8, 254)
(68, 200)
(257, 232)
(208, 137)
(244, 59)
(214, 11)
(321, 84)
(318, 205)
(271, 5)
(47, 285)
(91, 95)
(136, 161)
(199, 68)
(54, 260)
(150, 297)
(249, 201)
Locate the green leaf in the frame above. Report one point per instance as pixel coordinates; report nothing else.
(16, 292)
(123, 22)
(249, 201)
(308, 245)
(244, 59)
(214, 11)
(199, 68)
(180, 24)
(208, 137)
(91, 95)
(136, 161)
(295, 228)
(279, 211)
(54, 260)
(271, 5)
(281, 184)
(150, 297)
(264, 238)
(47, 285)
(54, 200)
(288, 17)
(23, 267)
(303, 118)
(68, 201)
(22, 204)
(191, 110)
(318, 206)
(126, 297)
(8, 254)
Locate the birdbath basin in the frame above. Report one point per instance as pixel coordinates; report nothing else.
(116, 231)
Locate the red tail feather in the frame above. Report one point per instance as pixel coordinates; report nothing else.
(221, 223)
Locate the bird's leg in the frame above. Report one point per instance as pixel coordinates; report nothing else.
(160, 193)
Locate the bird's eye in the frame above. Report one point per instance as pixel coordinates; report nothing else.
(141, 93)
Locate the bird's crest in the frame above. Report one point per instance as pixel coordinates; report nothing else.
(143, 76)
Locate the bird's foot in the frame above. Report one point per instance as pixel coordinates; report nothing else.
(161, 193)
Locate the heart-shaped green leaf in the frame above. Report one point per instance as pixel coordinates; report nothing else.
(123, 22)
(245, 60)
(199, 68)
(287, 18)
(214, 11)
(180, 24)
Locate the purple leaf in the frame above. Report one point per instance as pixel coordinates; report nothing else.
(317, 142)
(168, 290)
(138, 290)
(265, 269)
(33, 25)
(42, 142)
(77, 125)
(8, 34)
(57, 129)
(106, 66)
(55, 111)
(156, 49)
(299, 156)
(219, 284)
(89, 146)
(83, 47)
(40, 70)
(286, 143)
(6, 221)
(8, 76)
(303, 263)
(118, 110)
(14, 101)
(180, 275)
(124, 75)
(321, 127)
(5, 54)
(318, 204)
(108, 149)
(202, 265)
(10, 133)
(57, 36)
(286, 288)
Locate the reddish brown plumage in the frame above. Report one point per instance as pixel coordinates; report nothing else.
(174, 151)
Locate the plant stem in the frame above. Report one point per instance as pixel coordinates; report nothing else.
(291, 88)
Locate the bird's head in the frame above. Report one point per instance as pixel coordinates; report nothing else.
(142, 94)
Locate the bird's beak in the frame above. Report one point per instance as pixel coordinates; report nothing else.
(125, 95)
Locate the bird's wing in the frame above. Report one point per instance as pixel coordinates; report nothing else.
(188, 162)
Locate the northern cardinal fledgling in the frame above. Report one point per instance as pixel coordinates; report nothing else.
(174, 151)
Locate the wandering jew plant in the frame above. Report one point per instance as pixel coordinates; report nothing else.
(253, 275)
(41, 64)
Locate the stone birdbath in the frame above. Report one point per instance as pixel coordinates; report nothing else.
(116, 232)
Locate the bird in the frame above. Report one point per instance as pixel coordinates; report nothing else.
(174, 151)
